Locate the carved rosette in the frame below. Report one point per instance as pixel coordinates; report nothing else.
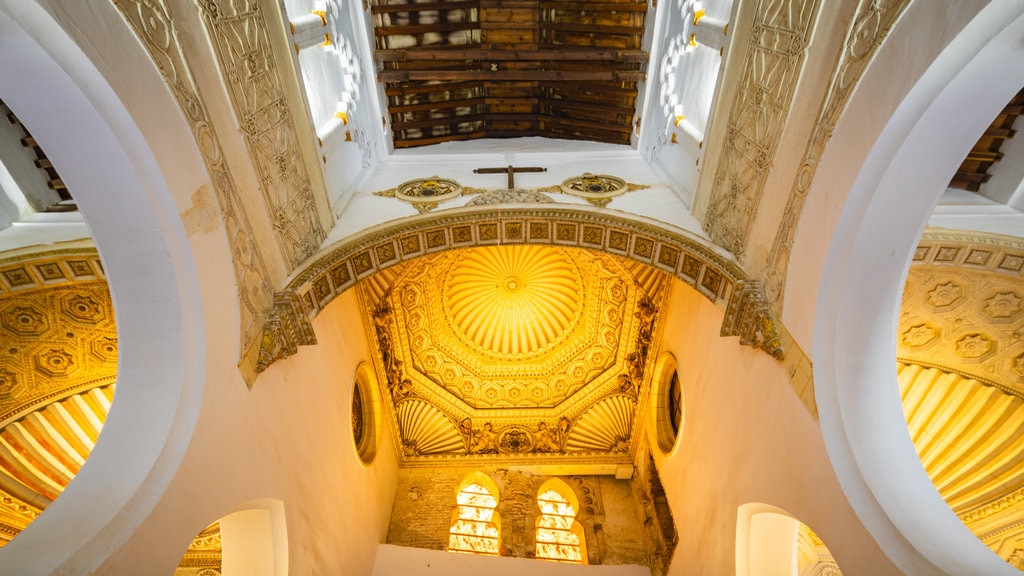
(424, 194)
(598, 189)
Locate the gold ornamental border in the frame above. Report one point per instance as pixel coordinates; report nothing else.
(693, 260)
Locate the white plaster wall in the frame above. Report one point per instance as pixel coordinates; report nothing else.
(562, 158)
(399, 560)
(746, 438)
(290, 439)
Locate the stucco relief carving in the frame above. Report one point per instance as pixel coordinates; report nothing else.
(757, 114)
(153, 24)
(240, 38)
(870, 26)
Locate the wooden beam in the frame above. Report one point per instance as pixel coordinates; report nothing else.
(586, 106)
(440, 6)
(417, 29)
(390, 76)
(427, 88)
(593, 29)
(484, 55)
(438, 139)
(470, 102)
(431, 122)
(587, 124)
(594, 6)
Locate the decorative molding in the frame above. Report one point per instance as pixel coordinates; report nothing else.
(152, 23)
(241, 40)
(424, 194)
(749, 317)
(506, 196)
(870, 26)
(689, 258)
(57, 327)
(774, 59)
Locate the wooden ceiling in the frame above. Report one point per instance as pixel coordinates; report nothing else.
(973, 172)
(461, 70)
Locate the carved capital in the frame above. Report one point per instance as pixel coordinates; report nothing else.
(285, 328)
(749, 317)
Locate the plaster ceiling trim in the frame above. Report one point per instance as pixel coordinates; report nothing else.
(694, 260)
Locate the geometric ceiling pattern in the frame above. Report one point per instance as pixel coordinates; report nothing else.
(963, 308)
(961, 376)
(514, 350)
(58, 364)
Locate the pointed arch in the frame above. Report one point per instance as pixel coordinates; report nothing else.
(559, 536)
(476, 525)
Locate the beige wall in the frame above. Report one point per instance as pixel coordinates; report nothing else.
(290, 439)
(746, 438)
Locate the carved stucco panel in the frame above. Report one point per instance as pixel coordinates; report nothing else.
(757, 115)
(153, 23)
(870, 26)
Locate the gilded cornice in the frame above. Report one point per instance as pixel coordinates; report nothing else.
(693, 260)
(963, 308)
(869, 27)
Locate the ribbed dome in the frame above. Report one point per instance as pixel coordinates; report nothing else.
(513, 300)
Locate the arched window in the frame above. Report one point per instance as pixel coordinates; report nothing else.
(559, 535)
(475, 524)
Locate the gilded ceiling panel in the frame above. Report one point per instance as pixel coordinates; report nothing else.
(514, 350)
(962, 309)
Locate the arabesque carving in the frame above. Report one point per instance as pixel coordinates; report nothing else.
(153, 24)
(757, 114)
(870, 25)
(239, 34)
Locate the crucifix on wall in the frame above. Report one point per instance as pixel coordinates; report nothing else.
(511, 171)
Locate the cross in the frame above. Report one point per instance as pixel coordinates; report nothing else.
(510, 171)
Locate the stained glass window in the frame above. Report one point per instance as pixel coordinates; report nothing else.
(475, 530)
(557, 532)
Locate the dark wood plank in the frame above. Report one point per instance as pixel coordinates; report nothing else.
(388, 76)
(485, 55)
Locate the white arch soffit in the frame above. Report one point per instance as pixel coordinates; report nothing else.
(255, 539)
(105, 160)
(862, 284)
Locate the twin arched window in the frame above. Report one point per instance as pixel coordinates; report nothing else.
(476, 524)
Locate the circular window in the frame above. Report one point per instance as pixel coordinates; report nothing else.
(364, 413)
(667, 403)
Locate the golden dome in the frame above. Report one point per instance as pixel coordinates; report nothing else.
(513, 300)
